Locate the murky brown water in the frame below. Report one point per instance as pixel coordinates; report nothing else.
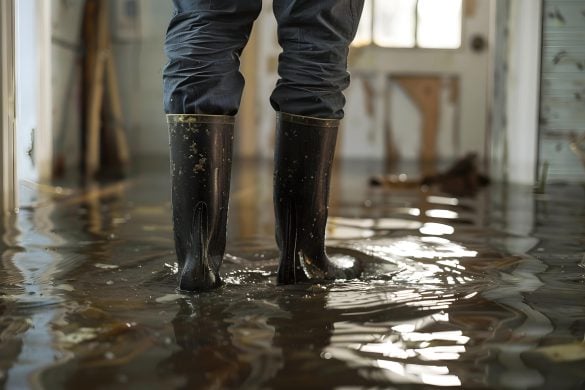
(486, 292)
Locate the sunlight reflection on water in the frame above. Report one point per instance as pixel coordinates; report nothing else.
(394, 347)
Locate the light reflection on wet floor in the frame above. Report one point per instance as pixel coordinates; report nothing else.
(486, 292)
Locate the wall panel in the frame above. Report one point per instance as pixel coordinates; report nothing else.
(562, 119)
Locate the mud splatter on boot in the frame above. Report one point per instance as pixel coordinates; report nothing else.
(201, 157)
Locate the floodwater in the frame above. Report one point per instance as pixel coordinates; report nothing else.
(481, 292)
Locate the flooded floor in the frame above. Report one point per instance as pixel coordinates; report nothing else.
(482, 292)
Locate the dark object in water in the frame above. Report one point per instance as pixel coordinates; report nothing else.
(394, 181)
(461, 179)
(304, 153)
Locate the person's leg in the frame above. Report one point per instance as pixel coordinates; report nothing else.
(202, 91)
(203, 45)
(315, 36)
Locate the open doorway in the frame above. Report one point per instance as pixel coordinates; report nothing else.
(420, 71)
(7, 107)
(26, 100)
(33, 96)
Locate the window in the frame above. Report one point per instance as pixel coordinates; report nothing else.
(433, 24)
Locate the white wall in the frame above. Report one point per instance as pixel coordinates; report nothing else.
(27, 81)
(377, 106)
(33, 100)
(138, 45)
(362, 132)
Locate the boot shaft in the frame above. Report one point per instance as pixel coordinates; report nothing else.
(304, 153)
(201, 158)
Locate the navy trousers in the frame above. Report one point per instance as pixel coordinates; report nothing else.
(205, 39)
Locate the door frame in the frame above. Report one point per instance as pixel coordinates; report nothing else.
(44, 138)
(43, 149)
(523, 91)
(8, 187)
(463, 61)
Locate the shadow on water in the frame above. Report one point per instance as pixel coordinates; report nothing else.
(484, 292)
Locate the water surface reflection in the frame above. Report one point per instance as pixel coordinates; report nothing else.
(485, 292)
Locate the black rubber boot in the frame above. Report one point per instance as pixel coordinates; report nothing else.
(201, 158)
(304, 152)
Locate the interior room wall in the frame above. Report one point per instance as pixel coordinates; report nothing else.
(268, 51)
(66, 56)
(27, 82)
(138, 29)
(562, 118)
(378, 107)
(33, 90)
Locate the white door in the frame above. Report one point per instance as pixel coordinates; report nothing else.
(437, 42)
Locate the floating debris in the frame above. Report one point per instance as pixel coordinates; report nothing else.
(461, 179)
(173, 267)
(572, 352)
(169, 298)
(81, 335)
(106, 266)
(65, 287)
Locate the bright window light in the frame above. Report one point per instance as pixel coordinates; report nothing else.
(364, 31)
(394, 23)
(430, 24)
(439, 24)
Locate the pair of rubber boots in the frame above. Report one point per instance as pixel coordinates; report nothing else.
(201, 159)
